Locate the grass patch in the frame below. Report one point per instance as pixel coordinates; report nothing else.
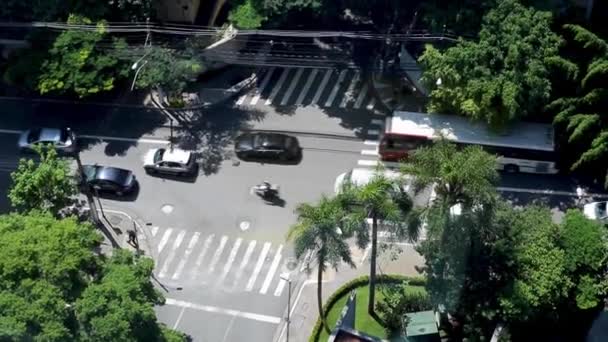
(363, 321)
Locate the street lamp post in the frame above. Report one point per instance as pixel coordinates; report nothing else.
(288, 318)
(133, 67)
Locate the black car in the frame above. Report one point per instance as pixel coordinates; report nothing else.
(109, 179)
(268, 146)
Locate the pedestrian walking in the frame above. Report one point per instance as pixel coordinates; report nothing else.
(132, 238)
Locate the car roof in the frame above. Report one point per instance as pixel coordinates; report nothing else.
(176, 155)
(273, 139)
(50, 134)
(364, 176)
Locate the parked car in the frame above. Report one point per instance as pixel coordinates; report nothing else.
(63, 140)
(173, 161)
(596, 211)
(109, 179)
(268, 146)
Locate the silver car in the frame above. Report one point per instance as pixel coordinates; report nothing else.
(63, 140)
(172, 161)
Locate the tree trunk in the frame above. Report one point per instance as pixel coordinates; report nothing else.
(372, 266)
(320, 293)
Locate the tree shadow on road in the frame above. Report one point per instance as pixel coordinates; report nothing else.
(211, 132)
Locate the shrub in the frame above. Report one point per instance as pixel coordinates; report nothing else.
(396, 303)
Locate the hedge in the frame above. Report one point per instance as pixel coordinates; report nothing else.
(357, 282)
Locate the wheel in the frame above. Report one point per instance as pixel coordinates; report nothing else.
(511, 168)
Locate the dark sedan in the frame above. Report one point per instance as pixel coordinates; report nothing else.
(267, 146)
(109, 179)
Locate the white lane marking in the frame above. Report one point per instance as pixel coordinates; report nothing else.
(306, 260)
(241, 100)
(550, 192)
(244, 262)
(292, 86)
(371, 142)
(182, 263)
(228, 312)
(10, 131)
(199, 259)
(371, 104)
(361, 97)
(369, 152)
(164, 239)
(231, 256)
(307, 85)
(367, 162)
(321, 86)
(277, 86)
(259, 91)
(272, 270)
(334, 91)
(258, 267)
(282, 283)
(179, 318)
(154, 230)
(373, 132)
(142, 140)
(217, 254)
(169, 260)
(377, 122)
(349, 92)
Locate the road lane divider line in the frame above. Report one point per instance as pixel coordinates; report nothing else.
(272, 270)
(244, 262)
(377, 122)
(371, 142)
(184, 260)
(278, 86)
(10, 131)
(367, 162)
(550, 192)
(307, 85)
(228, 312)
(258, 92)
(292, 86)
(140, 140)
(373, 132)
(258, 267)
(169, 260)
(164, 240)
(217, 254)
(201, 256)
(334, 91)
(231, 256)
(369, 152)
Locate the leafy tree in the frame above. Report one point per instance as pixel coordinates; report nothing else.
(50, 10)
(47, 185)
(121, 304)
(76, 64)
(246, 16)
(581, 122)
(460, 176)
(399, 300)
(383, 200)
(323, 230)
(165, 69)
(42, 269)
(503, 76)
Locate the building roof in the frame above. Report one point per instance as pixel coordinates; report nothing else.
(458, 128)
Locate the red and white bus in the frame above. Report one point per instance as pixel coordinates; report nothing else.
(526, 147)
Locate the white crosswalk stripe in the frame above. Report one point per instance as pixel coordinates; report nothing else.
(265, 81)
(169, 260)
(361, 97)
(321, 87)
(244, 262)
(164, 239)
(349, 92)
(189, 249)
(292, 86)
(277, 86)
(258, 267)
(154, 230)
(201, 256)
(272, 270)
(232, 255)
(217, 254)
(334, 91)
(311, 78)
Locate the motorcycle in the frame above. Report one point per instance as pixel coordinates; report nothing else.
(267, 191)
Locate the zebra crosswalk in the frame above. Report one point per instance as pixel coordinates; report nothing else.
(227, 263)
(346, 88)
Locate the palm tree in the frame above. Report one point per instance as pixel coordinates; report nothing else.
(323, 229)
(385, 200)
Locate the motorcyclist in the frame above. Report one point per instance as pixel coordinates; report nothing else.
(267, 189)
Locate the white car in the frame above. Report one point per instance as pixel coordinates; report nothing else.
(596, 211)
(173, 161)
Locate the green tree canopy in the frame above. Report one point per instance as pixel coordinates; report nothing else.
(78, 65)
(47, 185)
(501, 77)
(581, 121)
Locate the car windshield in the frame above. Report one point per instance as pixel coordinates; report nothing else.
(34, 135)
(89, 172)
(158, 156)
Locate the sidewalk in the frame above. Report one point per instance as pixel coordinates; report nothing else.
(118, 223)
(304, 310)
